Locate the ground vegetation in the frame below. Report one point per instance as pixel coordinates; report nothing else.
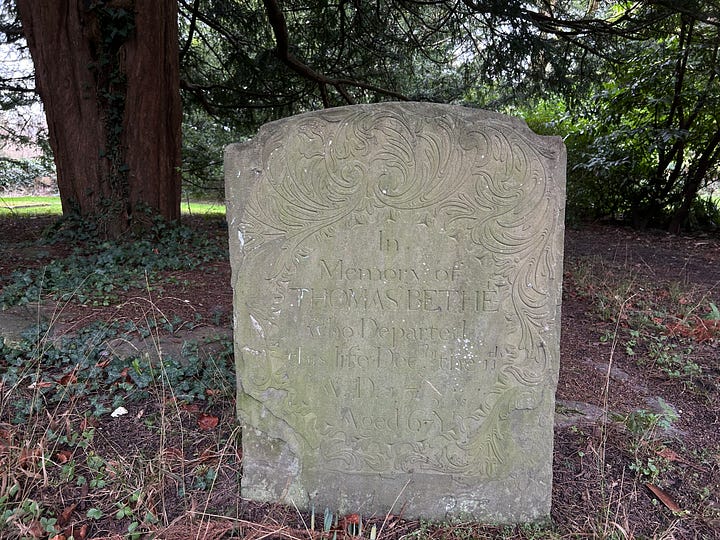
(117, 415)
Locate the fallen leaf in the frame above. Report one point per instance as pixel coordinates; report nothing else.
(65, 515)
(35, 529)
(352, 518)
(207, 421)
(669, 454)
(112, 468)
(190, 407)
(58, 537)
(125, 374)
(663, 497)
(70, 378)
(63, 456)
(83, 532)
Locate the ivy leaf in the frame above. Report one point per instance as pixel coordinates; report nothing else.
(95, 513)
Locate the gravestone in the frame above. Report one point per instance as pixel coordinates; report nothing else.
(397, 274)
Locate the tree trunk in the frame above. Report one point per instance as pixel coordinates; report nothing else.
(107, 72)
(695, 178)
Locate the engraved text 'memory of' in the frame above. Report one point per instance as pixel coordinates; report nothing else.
(339, 270)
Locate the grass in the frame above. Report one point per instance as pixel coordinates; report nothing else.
(29, 206)
(26, 206)
(202, 208)
(72, 467)
(653, 328)
(656, 325)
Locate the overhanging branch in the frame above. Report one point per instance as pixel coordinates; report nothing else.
(191, 30)
(282, 50)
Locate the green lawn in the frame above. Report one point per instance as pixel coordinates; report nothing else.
(203, 208)
(23, 206)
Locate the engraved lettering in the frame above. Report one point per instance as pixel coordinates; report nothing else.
(371, 329)
(337, 270)
(438, 300)
(388, 244)
(391, 358)
(445, 361)
(351, 358)
(356, 420)
(325, 270)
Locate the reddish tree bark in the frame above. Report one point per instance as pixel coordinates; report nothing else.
(107, 72)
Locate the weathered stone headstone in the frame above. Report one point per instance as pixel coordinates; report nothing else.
(397, 272)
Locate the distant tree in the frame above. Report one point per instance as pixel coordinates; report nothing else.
(16, 84)
(651, 127)
(108, 75)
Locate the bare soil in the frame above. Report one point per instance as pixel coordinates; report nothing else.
(613, 477)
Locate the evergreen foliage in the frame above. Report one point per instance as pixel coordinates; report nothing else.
(632, 86)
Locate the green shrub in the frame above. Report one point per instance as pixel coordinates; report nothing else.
(20, 174)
